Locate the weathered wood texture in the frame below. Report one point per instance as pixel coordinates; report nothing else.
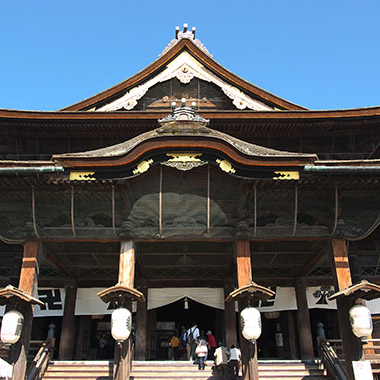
(229, 315)
(303, 320)
(341, 265)
(243, 261)
(28, 284)
(342, 279)
(292, 335)
(127, 263)
(126, 278)
(253, 363)
(141, 324)
(66, 344)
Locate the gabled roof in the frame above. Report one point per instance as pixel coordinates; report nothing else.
(184, 58)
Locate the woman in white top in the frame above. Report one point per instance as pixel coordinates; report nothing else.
(201, 352)
(234, 361)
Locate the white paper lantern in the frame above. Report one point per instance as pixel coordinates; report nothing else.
(11, 327)
(250, 321)
(121, 324)
(361, 321)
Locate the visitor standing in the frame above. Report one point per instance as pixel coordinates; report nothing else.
(221, 358)
(211, 344)
(234, 361)
(192, 335)
(201, 351)
(174, 342)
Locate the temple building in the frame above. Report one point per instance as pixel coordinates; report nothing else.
(185, 184)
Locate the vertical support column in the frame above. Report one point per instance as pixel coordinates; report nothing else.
(243, 262)
(229, 315)
(126, 278)
(141, 323)
(244, 274)
(28, 284)
(127, 263)
(292, 335)
(303, 321)
(342, 279)
(66, 343)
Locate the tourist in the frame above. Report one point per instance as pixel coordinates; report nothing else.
(175, 343)
(102, 344)
(221, 358)
(192, 335)
(234, 361)
(211, 344)
(201, 351)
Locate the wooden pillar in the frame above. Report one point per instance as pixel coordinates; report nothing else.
(342, 279)
(127, 263)
(141, 323)
(28, 284)
(292, 335)
(243, 262)
(244, 274)
(126, 278)
(229, 315)
(66, 343)
(303, 321)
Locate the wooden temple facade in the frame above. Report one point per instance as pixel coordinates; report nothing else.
(187, 176)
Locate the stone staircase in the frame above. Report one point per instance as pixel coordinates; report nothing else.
(174, 370)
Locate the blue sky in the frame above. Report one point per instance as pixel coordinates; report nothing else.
(320, 54)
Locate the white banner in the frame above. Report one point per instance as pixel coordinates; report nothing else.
(88, 302)
(158, 297)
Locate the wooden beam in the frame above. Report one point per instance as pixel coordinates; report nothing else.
(243, 261)
(341, 265)
(141, 346)
(127, 263)
(57, 263)
(229, 314)
(342, 279)
(66, 343)
(28, 284)
(303, 321)
(317, 258)
(126, 278)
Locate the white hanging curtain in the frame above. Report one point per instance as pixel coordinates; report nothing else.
(213, 297)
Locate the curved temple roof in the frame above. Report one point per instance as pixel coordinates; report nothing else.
(184, 129)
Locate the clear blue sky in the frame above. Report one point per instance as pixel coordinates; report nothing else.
(321, 54)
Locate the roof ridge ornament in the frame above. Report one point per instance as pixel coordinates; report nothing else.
(184, 118)
(190, 35)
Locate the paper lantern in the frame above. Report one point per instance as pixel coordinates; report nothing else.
(361, 321)
(121, 324)
(11, 327)
(250, 321)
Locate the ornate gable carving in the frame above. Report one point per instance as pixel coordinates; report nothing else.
(185, 68)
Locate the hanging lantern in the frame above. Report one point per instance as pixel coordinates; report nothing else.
(361, 321)
(186, 303)
(121, 324)
(250, 321)
(11, 327)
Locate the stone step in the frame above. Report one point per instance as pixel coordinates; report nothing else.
(175, 370)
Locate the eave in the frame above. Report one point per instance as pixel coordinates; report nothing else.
(299, 115)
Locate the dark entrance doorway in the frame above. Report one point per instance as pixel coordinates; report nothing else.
(172, 317)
